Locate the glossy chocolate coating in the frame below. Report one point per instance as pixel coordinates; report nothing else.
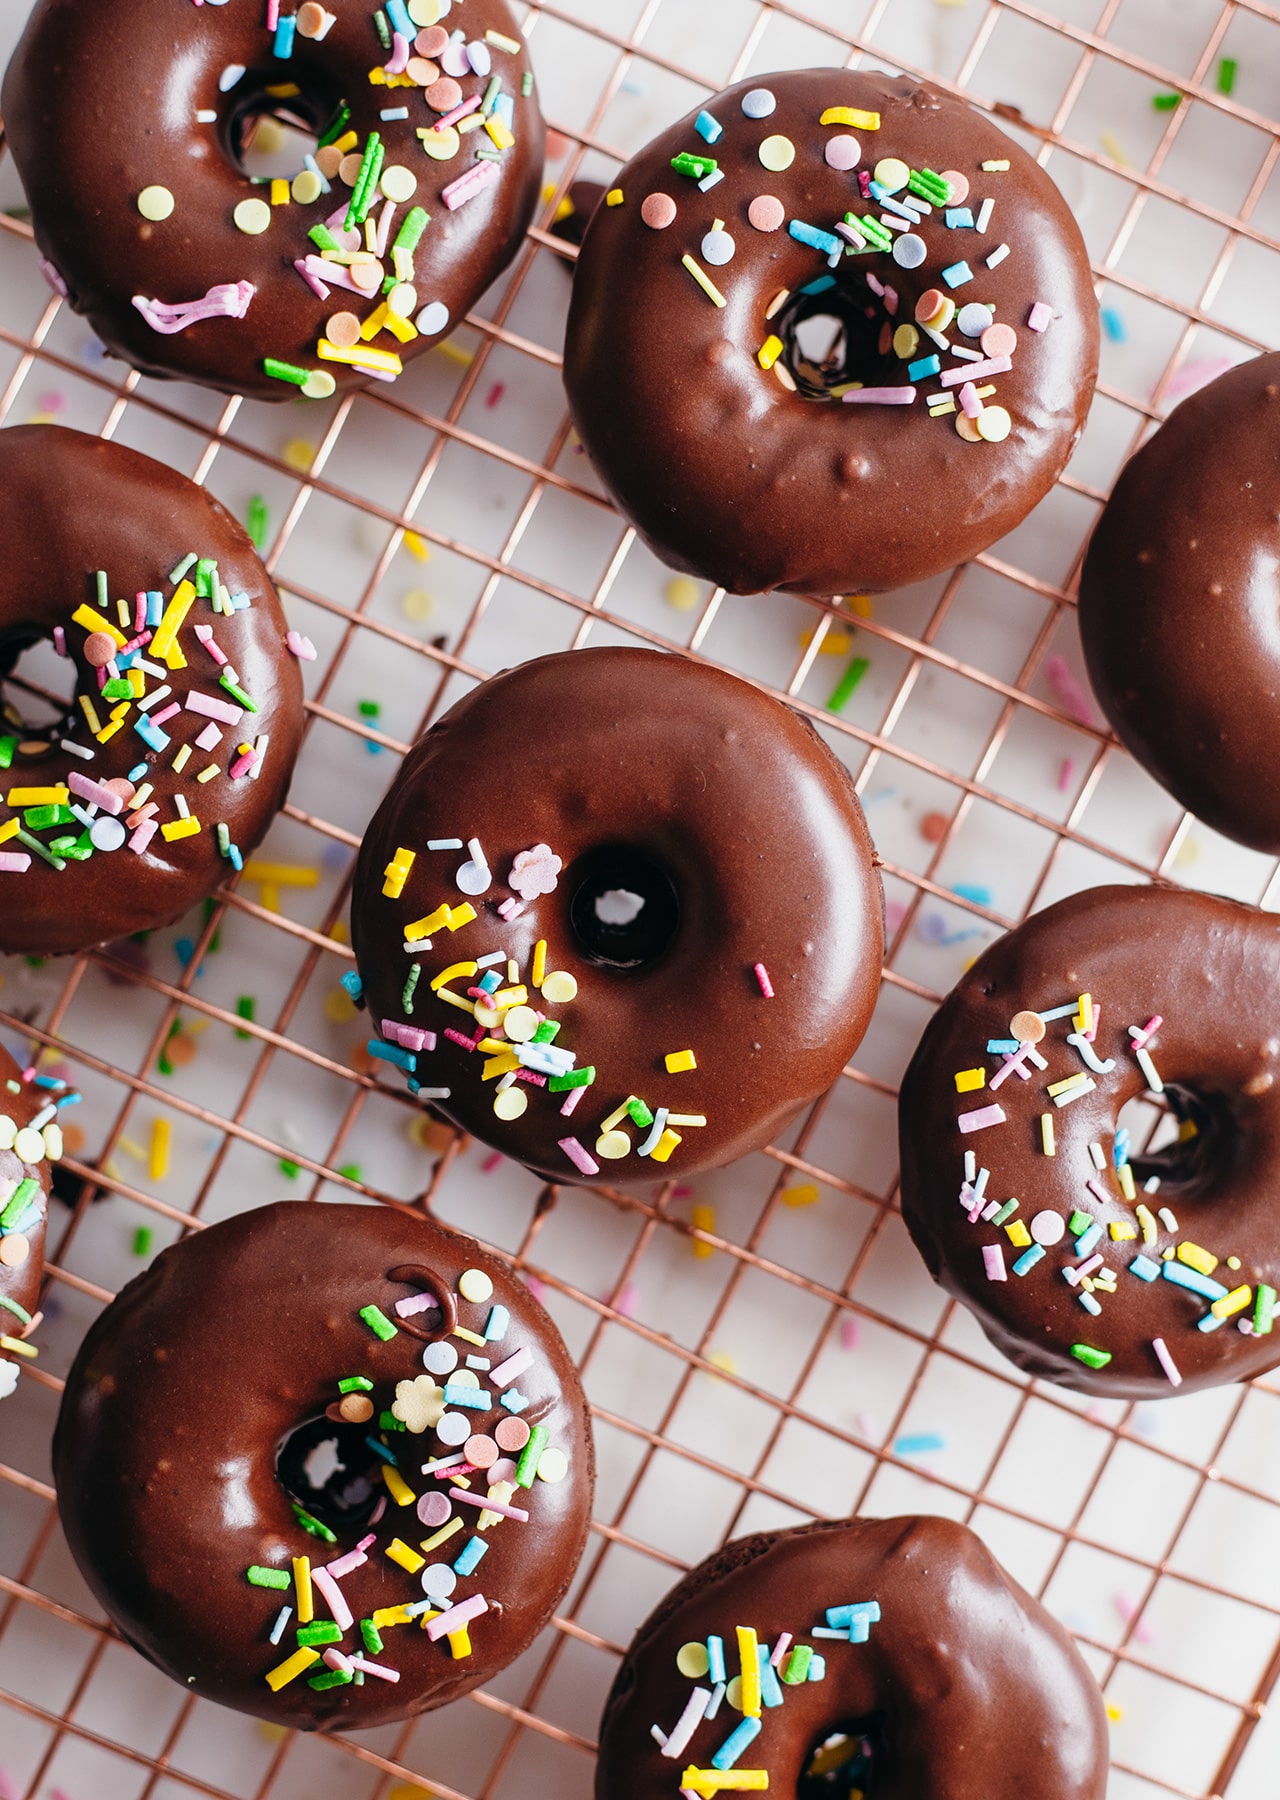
(1211, 969)
(970, 1690)
(100, 103)
(21, 1284)
(180, 1396)
(1179, 599)
(726, 474)
(70, 505)
(754, 821)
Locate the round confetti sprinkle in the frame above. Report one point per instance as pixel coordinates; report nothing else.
(511, 1434)
(106, 833)
(305, 187)
(349, 168)
(319, 385)
(433, 1509)
(480, 1451)
(1048, 1228)
(510, 1104)
(520, 1023)
(453, 1429)
(766, 212)
(28, 1146)
(692, 1660)
(994, 424)
(418, 604)
(553, 1465)
(432, 41)
(957, 185)
(973, 319)
(733, 1693)
(1027, 1027)
(443, 95)
(14, 1250)
(155, 203)
(343, 329)
(933, 827)
(842, 151)
(357, 1409)
(311, 18)
(909, 251)
(252, 217)
(402, 299)
(441, 144)
(433, 318)
(718, 248)
(683, 593)
(613, 1146)
(425, 12)
(465, 1378)
(758, 103)
(906, 341)
(777, 153)
(99, 648)
(892, 173)
(329, 161)
(658, 210)
(967, 429)
(999, 340)
(399, 184)
(560, 987)
(367, 277)
(422, 71)
(476, 1286)
(440, 1359)
(438, 1580)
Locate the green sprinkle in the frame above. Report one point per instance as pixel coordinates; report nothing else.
(410, 983)
(1079, 1222)
(238, 693)
(797, 1669)
(206, 579)
(335, 128)
(527, 1467)
(1264, 1310)
(526, 84)
(1092, 1359)
(1006, 1212)
(547, 1032)
(313, 1527)
(256, 522)
(366, 182)
(378, 1322)
(246, 1008)
(572, 1078)
(387, 1421)
(1165, 102)
(290, 1168)
(20, 1200)
(283, 371)
(871, 229)
(640, 1114)
(369, 709)
(142, 1241)
(351, 1172)
(19, 1312)
(118, 689)
(7, 747)
(355, 1384)
(269, 1578)
(104, 598)
(1227, 74)
(34, 844)
(372, 1637)
(163, 1063)
(324, 1631)
(331, 1678)
(382, 28)
(929, 186)
(490, 95)
(847, 685)
(176, 573)
(40, 818)
(696, 166)
(410, 233)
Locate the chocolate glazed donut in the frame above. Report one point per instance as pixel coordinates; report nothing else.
(1180, 605)
(1086, 1259)
(99, 117)
(93, 841)
(30, 1143)
(196, 1448)
(961, 1685)
(663, 937)
(716, 434)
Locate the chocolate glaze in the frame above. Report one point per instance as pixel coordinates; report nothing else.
(182, 1392)
(21, 1285)
(1179, 602)
(969, 1689)
(70, 505)
(1210, 967)
(98, 107)
(725, 473)
(754, 821)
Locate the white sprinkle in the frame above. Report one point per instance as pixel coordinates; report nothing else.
(996, 257)
(984, 215)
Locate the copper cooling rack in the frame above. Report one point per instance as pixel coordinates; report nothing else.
(762, 1348)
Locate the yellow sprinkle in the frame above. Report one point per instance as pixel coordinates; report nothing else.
(539, 969)
(506, 999)
(17, 1347)
(1122, 1231)
(439, 1537)
(614, 197)
(291, 1668)
(392, 1615)
(347, 141)
(969, 1079)
(498, 132)
(1234, 1302)
(748, 1658)
(1111, 144)
(400, 328)
(942, 407)
(400, 1552)
(661, 1151)
(769, 351)
(1203, 1261)
(805, 1195)
(158, 1161)
(182, 758)
(1018, 1235)
(452, 999)
(703, 280)
(39, 796)
(1083, 1020)
(691, 1119)
(559, 987)
(618, 1114)
(1046, 1134)
(1124, 1175)
(682, 593)
(302, 1589)
(1147, 1223)
(454, 352)
(397, 1486)
(1066, 1087)
(179, 828)
(851, 115)
(417, 547)
(94, 621)
(678, 1061)
(279, 192)
(468, 1337)
(705, 1782)
(459, 1643)
(425, 927)
(374, 323)
(360, 357)
(164, 644)
(463, 970)
(9, 829)
(704, 1219)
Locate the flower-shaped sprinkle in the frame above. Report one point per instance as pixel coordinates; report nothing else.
(8, 1378)
(534, 872)
(418, 1403)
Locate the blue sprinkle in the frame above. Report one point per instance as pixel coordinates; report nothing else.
(490, 981)
(353, 984)
(957, 274)
(137, 772)
(817, 1667)
(1120, 1149)
(467, 1562)
(476, 1399)
(282, 49)
(919, 1444)
(770, 1687)
(151, 734)
(1114, 325)
(400, 20)
(1182, 1276)
(1144, 1268)
(497, 1325)
(958, 217)
(817, 240)
(1001, 1046)
(514, 1400)
(1028, 1260)
(155, 606)
(819, 285)
(282, 1619)
(1089, 1304)
(1088, 1241)
(1209, 1323)
(736, 1742)
(393, 1053)
(388, 113)
(972, 890)
(707, 128)
(240, 603)
(715, 1660)
(923, 365)
(504, 108)
(381, 1451)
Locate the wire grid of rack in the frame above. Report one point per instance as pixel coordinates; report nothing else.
(991, 789)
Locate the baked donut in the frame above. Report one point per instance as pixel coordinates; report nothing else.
(895, 1651)
(429, 138)
(253, 1466)
(176, 752)
(619, 910)
(30, 1143)
(1179, 598)
(1086, 1259)
(775, 205)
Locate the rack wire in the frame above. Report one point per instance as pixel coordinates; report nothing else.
(991, 787)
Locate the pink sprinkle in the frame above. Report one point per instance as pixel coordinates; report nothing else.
(139, 613)
(980, 1118)
(343, 1565)
(874, 283)
(993, 1261)
(581, 1160)
(495, 393)
(333, 274)
(1194, 375)
(491, 1162)
(571, 1100)
(347, 240)
(456, 1617)
(142, 813)
(312, 280)
(506, 1372)
(627, 1298)
(336, 1660)
(1039, 316)
(415, 1303)
(478, 177)
(970, 405)
(300, 646)
(486, 1505)
(210, 708)
(273, 14)
(60, 640)
(891, 301)
(14, 862)
(535, 1287)
(399, 54)
(376, 1515)
(143, 835)
(458, 1037)
(229, 300)
(510, 909)
(209, 738)
(333, 1599)
(994, 365)
(105, 797)
(780, 1650)
(205, 634)
(1098, 1193)
(1166, 1362)
(1066, 774)
(1092, 1032)
(242, 764)
(384, 227)
(1078, 1274)
(459, 112)
(374, 1668)
(763, 981)
(850, 1332)
(870, 396)
(1142, 1038)
(532, 1077)
(1013, 1065)
(166, 712)
(1058, 673)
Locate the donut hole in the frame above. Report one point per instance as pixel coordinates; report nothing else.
(39, 686)
(841, 336)
(269, 135)
(840, 1763)
(330, 1469)
(1187, 1144)
(624, 910)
